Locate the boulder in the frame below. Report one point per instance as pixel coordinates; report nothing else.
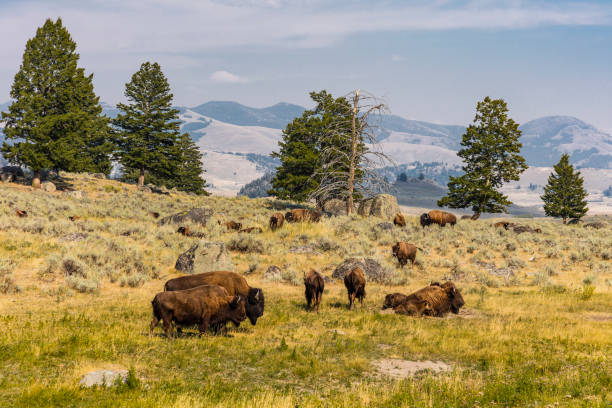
(104, 378)
(382, 205)
(47, 186)
(373, 270)
(195, 215)
(335, 207)
(273, 274)
(10, 173)
(76, 194)
(205, 257)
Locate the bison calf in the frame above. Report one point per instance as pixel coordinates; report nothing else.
(404, 251)
(355, 282)
(414, 307)
(394, 299)
(276, 221)
(314, 286)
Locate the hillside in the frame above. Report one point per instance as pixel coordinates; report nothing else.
(75, 296)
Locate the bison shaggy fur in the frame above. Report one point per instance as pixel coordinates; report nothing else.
(394, 299)
(232, 225)
(234, 283)
(404, 251)
(276, 221)
(414, 307)
(204, 306)
(437, 217)
(442, 298)
(302, 215)
(399, 220)
(313, 289)
(355, 282)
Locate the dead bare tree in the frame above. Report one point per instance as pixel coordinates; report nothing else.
(351, 153)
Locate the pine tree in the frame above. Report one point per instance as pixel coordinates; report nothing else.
(491, 156)
(564, 194)
(148, 138)
(55, 118)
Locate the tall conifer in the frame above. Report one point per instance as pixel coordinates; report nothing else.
(564, 194)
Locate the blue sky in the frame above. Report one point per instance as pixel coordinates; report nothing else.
(430, 60)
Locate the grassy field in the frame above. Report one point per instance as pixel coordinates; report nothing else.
(75, 297)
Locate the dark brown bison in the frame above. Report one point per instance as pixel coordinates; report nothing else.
(276, 221)
(205, 306)
(234, 283)
(404, 251)
(505, 224)
(250, 230)
(394, 299)
(519, 229)
(437, 217)
(184, 231)
(355, 282)
(74, 218)
(414, 307)
(154, 214)
(232, 225)
(314, 286)
(21, 213)
(443, 298)
(302, 215)
(399, 220)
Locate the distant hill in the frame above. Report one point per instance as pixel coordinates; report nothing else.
(276, 116)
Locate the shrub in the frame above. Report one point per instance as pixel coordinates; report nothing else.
(246, 243)
(82, 285)
(7, 282)
(134, 281)
(586, 292)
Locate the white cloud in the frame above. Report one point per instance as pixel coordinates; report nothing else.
(227, 77)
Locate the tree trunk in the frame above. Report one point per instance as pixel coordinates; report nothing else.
(36, 179)
(351, 180)
(564, 220)
(475, 216)
(141, 178)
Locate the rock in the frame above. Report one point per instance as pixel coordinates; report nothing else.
(382, 205)
(76, 194)
(196, 215)
(145, 189)
(104, 378)
(373, 270)
(10, 173)
(335, 207)
(273, 273)
(205, 257)
(47, 186)
(384, 226)
(99, 176)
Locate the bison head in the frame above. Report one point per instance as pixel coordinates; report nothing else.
(238, 310)
(289, 216)
(392, 300)
(454, 296)
(255, 304)
(425, 220)
(395, 248)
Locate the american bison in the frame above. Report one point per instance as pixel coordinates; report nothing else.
(314, 286)
(519, 229)
(443, 298)
(251, 229)
(74, 218)
(595, 225)
(302, 215)
(505, 224)
(184, 231)
(154, 214)
(21, 213)
(394, 299)
(232, 225)
(399, 220)
(276, 221)
(404, 251)
(355, 282)
(234, 283)
(205, 306)
(437, 217)
(414, 307)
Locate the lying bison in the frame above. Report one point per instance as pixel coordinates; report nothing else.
(437, 217)
(519, 229)
(204, 306)
(399, 220)
(355, 282)
(404, 251)
(394, 299)
(276, 221)
(443, 298)
(414, 307)
(234, 283)
(314, 286)
(302, 215)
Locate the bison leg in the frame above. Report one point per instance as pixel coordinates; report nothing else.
(154, 324)
(167, 327)
(203, 326)
(351, 297)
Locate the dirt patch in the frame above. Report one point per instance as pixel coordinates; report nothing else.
(600, 317)
(396, 368)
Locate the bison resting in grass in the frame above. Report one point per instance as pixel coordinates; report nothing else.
(302, 215)
(404, 251)
(234, 283)
(204, 306)
(442, 298)
(276, 221)
(314, 286)
(399, 220)
(355, 282)
(437, 217)
(394, 299)
(519, 229)
(414, 307)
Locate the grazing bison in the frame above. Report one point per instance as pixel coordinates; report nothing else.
(443, 298)
(276, 221)
(314, 286)
(205, 306)
(414, 307)
(234, 283)
(394, 299)
(355, 282)
(404, 251)
(399, 220)
(21, 213)
(232, 225)
(302, 215)
(437, 217)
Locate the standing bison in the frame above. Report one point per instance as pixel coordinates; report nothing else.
(355, 282)
(302, 215)
(276, 221)
(404, 251)
(234, 283)
(399, 220)
(314, 286)
(204, 306)
(437, 217)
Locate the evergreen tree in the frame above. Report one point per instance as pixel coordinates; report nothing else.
(55, 118)
(402, 177)
(149, 141)
(491, 156)
(564, 194)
